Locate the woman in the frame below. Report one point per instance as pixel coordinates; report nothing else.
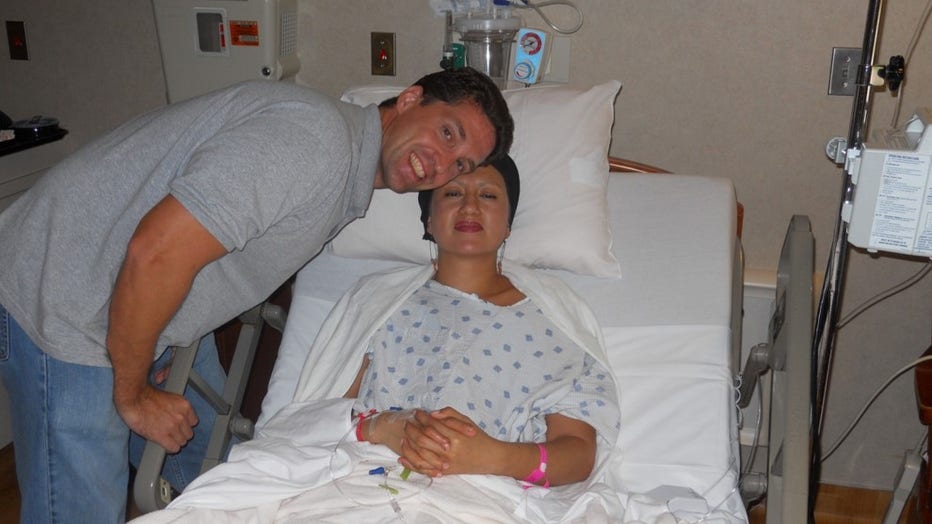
(468, 339)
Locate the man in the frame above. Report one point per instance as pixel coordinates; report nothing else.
(174, 223)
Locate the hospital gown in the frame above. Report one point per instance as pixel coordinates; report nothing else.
(503, 367)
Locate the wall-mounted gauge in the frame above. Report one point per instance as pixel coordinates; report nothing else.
(531, 43)
(529, 57)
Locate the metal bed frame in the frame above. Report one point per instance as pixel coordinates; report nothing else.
(152, 492)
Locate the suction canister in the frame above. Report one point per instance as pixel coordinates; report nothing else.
(487, 36)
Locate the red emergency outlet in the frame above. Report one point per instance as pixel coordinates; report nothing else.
(16, 39)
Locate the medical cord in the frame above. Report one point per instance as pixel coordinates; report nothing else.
(388, 490)
(921, 445)
(731, 464)
(826, 318)
(880, 390)
(715, 508)
(538, 7)
(909, 53)
(739, 379)
(885, 294)
(822, 353)
(756, 444)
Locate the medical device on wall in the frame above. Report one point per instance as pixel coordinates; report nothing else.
(487, 29)
(891, 209)
(487, 35)
(529, 56)
(208, 44)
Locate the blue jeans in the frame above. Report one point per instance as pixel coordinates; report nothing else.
(71, 446)
(181, 468)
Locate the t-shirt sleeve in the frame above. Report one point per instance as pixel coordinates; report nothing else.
(253, 173)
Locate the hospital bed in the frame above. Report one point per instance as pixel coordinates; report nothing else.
(657, 257)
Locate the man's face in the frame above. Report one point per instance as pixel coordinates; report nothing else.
(426, 146)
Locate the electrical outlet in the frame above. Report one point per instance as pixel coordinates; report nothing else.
(16, 39)
(383, 53)
(843, 75)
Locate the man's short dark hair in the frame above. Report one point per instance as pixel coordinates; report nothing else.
(456, 85)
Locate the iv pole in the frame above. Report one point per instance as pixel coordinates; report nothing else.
(824, 334)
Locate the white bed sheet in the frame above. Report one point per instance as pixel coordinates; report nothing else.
(667, 326)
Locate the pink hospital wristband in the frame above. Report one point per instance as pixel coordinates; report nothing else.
(534, 478)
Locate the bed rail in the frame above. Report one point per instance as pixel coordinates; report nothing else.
(152, 492)
(790, 451)
(787, 356)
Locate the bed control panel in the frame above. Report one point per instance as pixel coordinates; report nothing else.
(891, 209)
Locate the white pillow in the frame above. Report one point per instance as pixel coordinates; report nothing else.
(560, 146)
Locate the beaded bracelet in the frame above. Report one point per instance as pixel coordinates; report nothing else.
(535, 476)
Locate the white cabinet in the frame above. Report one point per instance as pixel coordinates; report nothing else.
(20, 170)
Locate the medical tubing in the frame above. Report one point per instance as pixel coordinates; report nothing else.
(885, 295)
(538, 7)
(921, 445)
(874, 397)
(733, 463)
(918, 32)
(909, 53)
(756, 444)
(393, 501)
(822, 349)
(715, 508)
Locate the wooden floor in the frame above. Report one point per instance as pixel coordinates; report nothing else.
(836, 504)
(9, 491)
(844, 505)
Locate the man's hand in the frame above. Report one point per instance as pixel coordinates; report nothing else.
(164, 255)
(165, 418)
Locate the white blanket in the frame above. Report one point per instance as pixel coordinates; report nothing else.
(295, 475)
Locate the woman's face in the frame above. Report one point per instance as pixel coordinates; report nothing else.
(469, 214)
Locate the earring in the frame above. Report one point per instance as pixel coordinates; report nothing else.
(501, 256)
(433, 254)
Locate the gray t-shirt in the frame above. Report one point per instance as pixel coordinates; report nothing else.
(271, 169)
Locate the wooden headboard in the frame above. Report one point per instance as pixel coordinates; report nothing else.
(623, 165)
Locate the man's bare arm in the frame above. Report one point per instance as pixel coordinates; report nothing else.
(167, 250)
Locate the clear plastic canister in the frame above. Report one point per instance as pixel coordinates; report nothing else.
(488, 37)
